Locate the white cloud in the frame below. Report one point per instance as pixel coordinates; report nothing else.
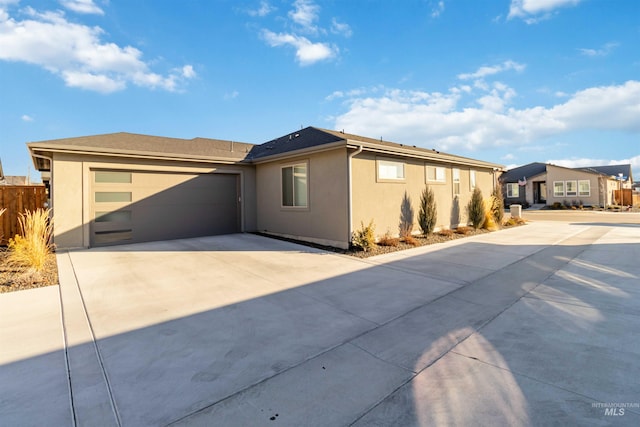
(603, 51)
(82, 6)
(305, 14)
(442, 120)
(486, 71)
(77, 54)
(264, 9)
(340, 28)
(231, 95)
(533, 11)
(437, 9)
(307, 52)
(26, 118)
(302, 26)
(188, 72)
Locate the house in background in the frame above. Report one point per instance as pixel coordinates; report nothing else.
(313, 184)
(543, 183)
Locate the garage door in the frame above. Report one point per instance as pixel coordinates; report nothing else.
(132, 206)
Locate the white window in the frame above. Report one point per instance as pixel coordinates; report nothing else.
(294, 185)
(436, 174)
(513, 190)
(390, 170)
(472, 179)
(571, 188)
(558, 188)
(584, 188)
(455, 173)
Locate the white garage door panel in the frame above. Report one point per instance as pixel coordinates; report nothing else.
(166, 206)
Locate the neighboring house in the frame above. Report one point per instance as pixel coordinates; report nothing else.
(542, 183)
(313, 184)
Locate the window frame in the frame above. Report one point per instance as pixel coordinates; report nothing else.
(588, 192)
(455, 181)
(381, 161)
(293, 166)
(573, 193)
(435, 168)
(555, 193)
(511, 185)
(473, 179)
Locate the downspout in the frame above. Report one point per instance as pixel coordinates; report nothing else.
(350, 190)
(41, 156)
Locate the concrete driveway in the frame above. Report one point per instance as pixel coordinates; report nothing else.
(534, 325)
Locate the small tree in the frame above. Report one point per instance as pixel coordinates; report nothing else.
(497, 205)
(475, 209)
(428, 214)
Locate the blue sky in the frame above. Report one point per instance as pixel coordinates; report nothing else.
(507, 81)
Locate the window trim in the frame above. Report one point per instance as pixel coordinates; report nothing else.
(455, 181)
(473, 179)
(436, 168)
(380, 160)
(555, 193)
(566, 188)
(513, 185)
(304, 163)
(588, 193)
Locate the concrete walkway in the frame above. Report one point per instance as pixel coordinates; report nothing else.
(535, 325)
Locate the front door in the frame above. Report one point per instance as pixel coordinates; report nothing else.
(540, 190)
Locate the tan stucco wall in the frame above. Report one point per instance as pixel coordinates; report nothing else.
(325, 220)
(563, 174)
(382, 200)
(71, 189)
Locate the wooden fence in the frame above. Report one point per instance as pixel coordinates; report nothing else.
(626, 197)
(18, 199)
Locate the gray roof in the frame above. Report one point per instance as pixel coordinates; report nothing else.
(123, 143)
(525, 171)
(212, 150)
(611, 170)
(311, 137)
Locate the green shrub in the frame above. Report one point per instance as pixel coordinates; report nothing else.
(475, 209)
(428, 214)
(364, 238)
(32, 247)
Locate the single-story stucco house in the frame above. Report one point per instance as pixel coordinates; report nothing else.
(544, 183)
(313, 184)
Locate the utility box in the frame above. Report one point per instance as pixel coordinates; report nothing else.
(516, 211)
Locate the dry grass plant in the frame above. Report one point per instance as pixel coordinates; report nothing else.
(464, 230)
(410, 240)
(31, 249)
(388, 240)
(365, 237)
(489, 218)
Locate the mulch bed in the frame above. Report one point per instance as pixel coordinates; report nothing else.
(379, 250)
(17, 278)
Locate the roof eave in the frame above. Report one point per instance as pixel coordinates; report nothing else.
(424, 155)
(136, 155)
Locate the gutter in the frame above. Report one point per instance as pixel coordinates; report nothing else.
(350, 190)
